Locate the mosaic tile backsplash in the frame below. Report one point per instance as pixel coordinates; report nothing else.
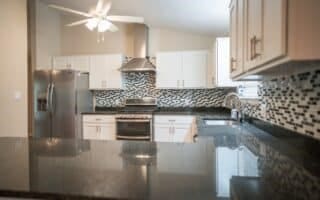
(292, 102)
(143, 84)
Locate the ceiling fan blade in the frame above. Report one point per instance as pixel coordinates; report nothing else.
(113, 28)
(99, 6)
(70, 10)
(78, 22)
(126, 19)
(106, 8)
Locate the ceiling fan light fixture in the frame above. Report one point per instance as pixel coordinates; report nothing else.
(103, 26)
(92, 23)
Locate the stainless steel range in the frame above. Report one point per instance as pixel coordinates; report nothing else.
(135, 121)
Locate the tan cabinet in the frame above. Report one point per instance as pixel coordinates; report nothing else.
(253, 33)
(267, 34)
(237, 47)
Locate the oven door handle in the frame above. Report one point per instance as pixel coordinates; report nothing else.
(133, 137)
(133, 120)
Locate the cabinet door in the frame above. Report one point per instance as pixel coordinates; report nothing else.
(194, 69)
(181, 133)
(233, 38)
(80, 63)
(114, 80)
(253, 21)
(274, 18)
(169, 70)
(104, 72)
(237, 28)
(61, 62)
(91, 132)
(107, 131)
(98, 72)
(162, 133)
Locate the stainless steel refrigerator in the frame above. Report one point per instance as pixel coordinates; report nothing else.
(60, 96)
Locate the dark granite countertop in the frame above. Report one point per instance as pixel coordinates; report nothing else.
(243, 159)
(219, 112)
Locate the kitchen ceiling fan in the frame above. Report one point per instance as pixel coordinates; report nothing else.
(98, 18)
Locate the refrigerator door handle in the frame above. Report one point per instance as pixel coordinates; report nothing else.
(76, 106)
(48, 107)
(52, 106)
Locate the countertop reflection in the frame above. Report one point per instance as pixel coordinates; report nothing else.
(209, 169)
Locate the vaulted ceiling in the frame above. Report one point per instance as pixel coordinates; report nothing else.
(209, 17)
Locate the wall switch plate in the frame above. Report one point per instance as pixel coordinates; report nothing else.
(17, 95)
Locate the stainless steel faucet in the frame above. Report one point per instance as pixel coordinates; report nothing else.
(232, 101)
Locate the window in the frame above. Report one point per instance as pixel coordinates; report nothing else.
(246, 89)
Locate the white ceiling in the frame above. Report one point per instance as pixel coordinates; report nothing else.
(210, 17)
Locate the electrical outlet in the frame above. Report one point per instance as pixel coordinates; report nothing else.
(263, 109)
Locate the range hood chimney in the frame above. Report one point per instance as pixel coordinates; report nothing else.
(140, 61)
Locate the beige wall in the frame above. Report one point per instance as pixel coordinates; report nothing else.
(48, 35)
(13, 68)
(79, 40)
(171, 40)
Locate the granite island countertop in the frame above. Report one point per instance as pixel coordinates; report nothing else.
(217, 111)
(218, 162)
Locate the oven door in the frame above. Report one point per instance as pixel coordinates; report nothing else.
(134, 129)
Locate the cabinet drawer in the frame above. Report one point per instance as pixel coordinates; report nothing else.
(93, 131)
(165, 119)
(98, 118)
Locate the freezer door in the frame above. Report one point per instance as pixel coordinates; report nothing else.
(42, 116)
(64, 104)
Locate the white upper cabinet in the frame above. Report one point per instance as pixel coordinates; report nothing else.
(61, 62)
(104, 72)
(103, 69)
(194, 69)
(275, 32)
(182, 69)
(169, 70)
(80, 63)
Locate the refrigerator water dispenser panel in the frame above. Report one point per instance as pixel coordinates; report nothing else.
(42, 103)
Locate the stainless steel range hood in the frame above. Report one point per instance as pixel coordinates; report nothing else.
(140, 61)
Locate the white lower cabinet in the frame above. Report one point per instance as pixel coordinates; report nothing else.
(180, 129)
(162, 133)
(98, 127)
